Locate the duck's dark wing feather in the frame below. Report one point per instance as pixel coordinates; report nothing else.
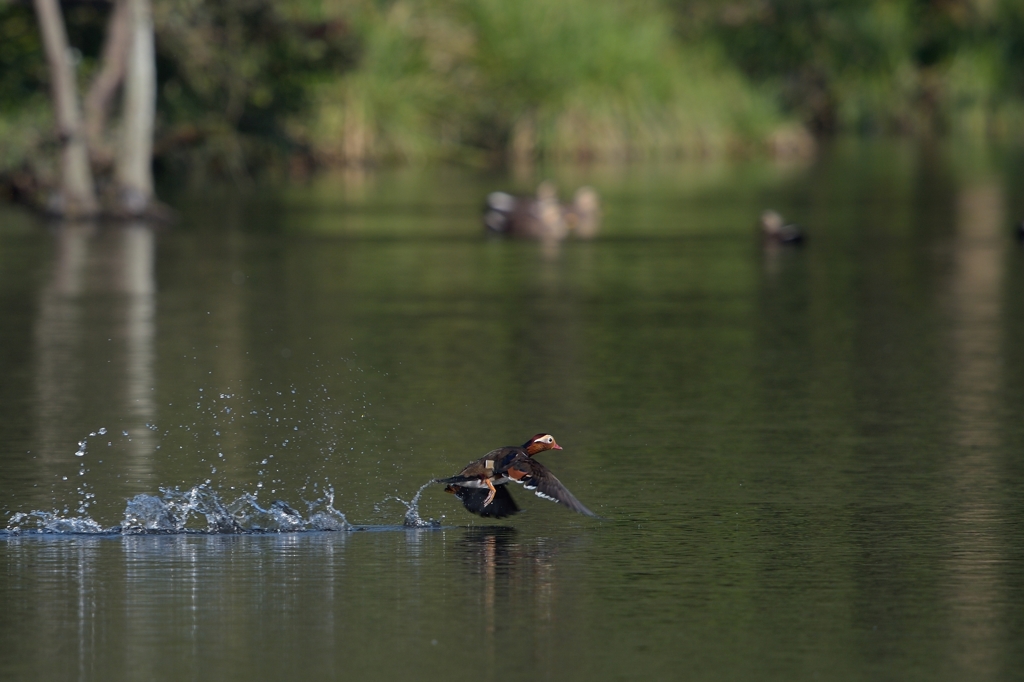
(473, 499)
(474, 470)
(538, 478)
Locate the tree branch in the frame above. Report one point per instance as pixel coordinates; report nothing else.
(104, 85)
(77, 195)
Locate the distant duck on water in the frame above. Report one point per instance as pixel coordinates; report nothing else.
(542, 216)
(775, 230)
(583, 215)
(481, 485)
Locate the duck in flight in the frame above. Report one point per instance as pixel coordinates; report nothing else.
(481, 485)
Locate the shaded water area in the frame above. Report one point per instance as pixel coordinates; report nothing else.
(807, 461)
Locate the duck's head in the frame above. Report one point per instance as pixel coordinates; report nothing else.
(586, 201)
(549, 212)
(771, 222)
(540, 443)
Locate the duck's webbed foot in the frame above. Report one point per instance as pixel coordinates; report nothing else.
(490, 496)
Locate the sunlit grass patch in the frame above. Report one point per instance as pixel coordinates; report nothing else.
(529, 80)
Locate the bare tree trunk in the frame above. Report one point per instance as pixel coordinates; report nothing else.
(77, 194)
(104, 85)
(134, 169)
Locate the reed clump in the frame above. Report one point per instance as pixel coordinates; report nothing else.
(487, 80)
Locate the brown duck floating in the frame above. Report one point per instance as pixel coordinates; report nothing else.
(481, 484)
(542, 216)
(583, 215)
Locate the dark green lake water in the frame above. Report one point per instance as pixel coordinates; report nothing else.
(809, 462)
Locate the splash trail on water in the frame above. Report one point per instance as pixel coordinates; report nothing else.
(206, 507)
(202, 510)
(199, 509)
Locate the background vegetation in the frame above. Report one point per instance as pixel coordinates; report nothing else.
(253, 84)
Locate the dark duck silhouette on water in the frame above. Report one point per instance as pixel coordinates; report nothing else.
(538, 217)
(542, 216)
(775, 230)
(481, 485)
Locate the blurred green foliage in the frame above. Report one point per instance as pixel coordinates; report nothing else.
(920, 66)
(482, 79)
(230, 75)
(252, 83)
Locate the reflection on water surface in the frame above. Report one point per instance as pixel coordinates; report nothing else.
(806, 459)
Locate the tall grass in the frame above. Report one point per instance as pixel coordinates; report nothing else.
(574, 79)
(390, 105)
(595, 79)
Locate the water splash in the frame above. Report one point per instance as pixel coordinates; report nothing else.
(323, 515)
(199, 509)
(174, 511)
(53, 522)
(412, 511)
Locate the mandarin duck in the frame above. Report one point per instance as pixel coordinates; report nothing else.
(538, 217)
(583, 215)
(481, 484)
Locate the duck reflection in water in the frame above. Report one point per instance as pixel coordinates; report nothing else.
(507, 566)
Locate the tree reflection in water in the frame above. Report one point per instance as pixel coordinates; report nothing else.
(101, 291)
(975, 309)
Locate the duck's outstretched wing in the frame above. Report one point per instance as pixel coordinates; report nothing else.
(494, 460)
(473, 499)
(538, 478)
